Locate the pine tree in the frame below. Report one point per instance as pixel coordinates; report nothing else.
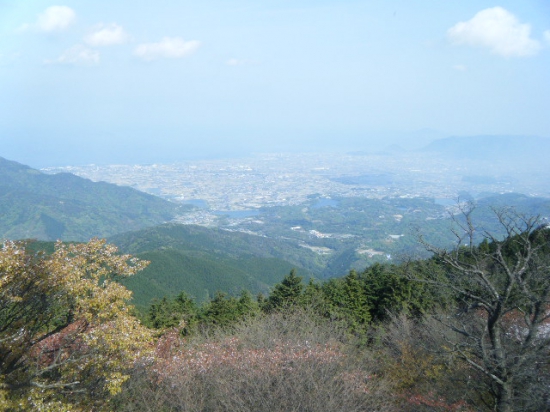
(286, 293)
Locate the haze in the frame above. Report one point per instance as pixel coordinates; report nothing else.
(125, 82)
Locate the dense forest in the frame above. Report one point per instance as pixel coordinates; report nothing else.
(465, 329)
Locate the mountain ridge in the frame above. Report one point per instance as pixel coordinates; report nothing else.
(499, 147)
(64, 206)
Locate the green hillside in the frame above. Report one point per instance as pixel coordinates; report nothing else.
(67, 207)
(201, 275)
(231, 244)
(202, 261)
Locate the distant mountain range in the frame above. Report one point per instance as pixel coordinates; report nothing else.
(501, 148)
(64, 206)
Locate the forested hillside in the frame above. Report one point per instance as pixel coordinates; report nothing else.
(64, 206)
(463, 330)
(321, 238)
(202, 261)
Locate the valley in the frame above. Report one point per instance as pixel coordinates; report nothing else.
(321, 213)
(253, 219)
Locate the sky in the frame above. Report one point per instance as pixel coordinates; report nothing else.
(148, 82)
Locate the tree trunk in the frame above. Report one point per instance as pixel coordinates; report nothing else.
(504, 398)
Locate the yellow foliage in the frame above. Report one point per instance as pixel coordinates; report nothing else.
(412, 366)
(69, 334)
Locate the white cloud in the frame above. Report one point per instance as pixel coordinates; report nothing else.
(460, 67)
(547, 36)
(106, 36)
(498, 30)
(77, 54)
(55, 18)
(168, 47)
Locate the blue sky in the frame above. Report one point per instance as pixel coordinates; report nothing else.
(132, 81)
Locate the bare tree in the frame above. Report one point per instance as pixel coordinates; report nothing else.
(501, 320)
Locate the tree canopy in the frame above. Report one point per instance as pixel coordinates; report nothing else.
(67, 333)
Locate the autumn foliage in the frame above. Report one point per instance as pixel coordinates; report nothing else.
(67, 334)
(283, 361)
(465, 330)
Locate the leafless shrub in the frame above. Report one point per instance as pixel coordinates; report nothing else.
(415, 361)
(279, 362)
(503, 286)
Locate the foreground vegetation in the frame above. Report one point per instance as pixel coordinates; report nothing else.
(67, 335)
(464, 330)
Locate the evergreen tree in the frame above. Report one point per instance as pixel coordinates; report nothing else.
(314, 298)
(286, 293)
(348, 301)
(356, 302)
(180, 312)
(161, 314)
(246, 305)
(222, 310)
(188, 310)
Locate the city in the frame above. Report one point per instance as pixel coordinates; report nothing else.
(264, 180)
